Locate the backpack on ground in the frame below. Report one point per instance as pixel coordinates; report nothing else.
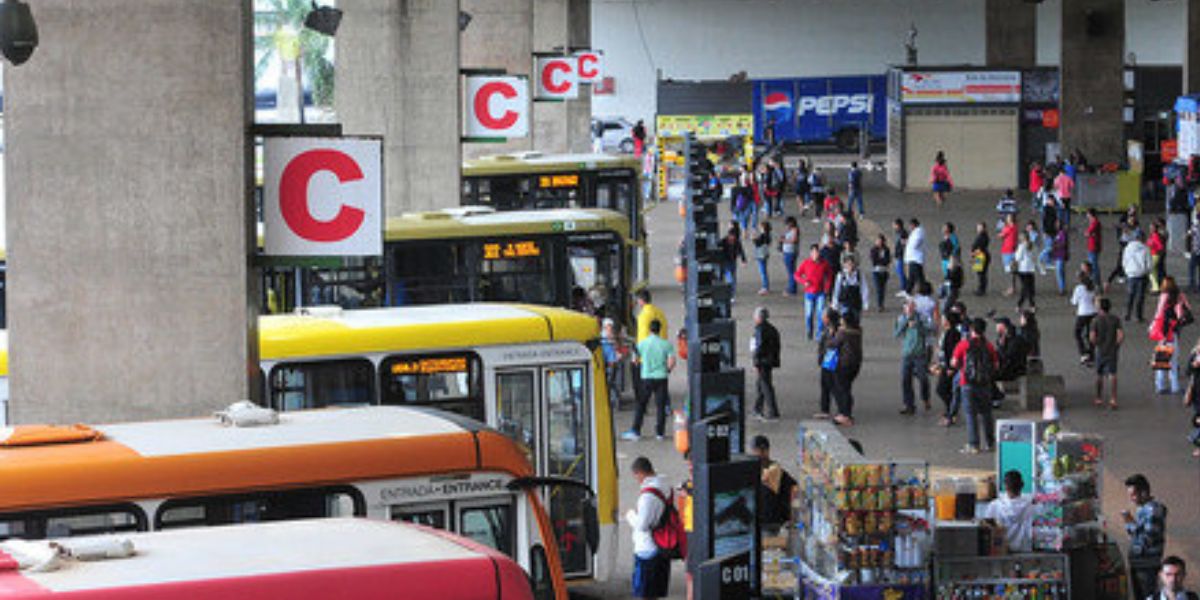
(978, 364)
(669, 534)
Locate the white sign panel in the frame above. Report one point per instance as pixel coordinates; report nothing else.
(497, 107)
(556, 78)
(589, 66)
(1189, 135)
(960, 87)
(323, 196)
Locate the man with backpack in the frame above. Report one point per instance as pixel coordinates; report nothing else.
(977, 363)
(651, 563)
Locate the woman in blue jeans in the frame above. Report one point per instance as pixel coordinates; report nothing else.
(789, 246)
(898, 252)
(762, 251)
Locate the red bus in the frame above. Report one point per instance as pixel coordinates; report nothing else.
(319, 559)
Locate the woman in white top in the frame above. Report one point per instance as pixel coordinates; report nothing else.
(1026, 264)
(1084, 300)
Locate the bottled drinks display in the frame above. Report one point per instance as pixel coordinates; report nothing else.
(1033, 590)
(1008, 577)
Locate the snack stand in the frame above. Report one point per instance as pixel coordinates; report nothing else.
(861, 525)
(1071, 556)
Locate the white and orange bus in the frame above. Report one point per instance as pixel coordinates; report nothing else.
(324, 559)
(382, 462)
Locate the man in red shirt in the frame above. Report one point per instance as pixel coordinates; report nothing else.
(1094, 243)
(1008, 249)
(976, 361)
(815, 276)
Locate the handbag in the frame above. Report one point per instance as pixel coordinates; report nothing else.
(1162, 357)
(829, 362)
(1185, 317)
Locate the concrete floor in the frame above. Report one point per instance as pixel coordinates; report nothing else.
(1146, 435)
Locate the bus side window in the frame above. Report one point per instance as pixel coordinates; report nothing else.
(73, 522)
(490, 525)
(449, 382)
(341, 501)
(428, 515)
(304, 385)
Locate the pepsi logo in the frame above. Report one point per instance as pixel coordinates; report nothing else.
(777, 101)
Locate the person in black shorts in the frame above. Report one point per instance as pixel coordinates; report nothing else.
(1106, 336)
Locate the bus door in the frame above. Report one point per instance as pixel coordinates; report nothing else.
(597, 266)
(546, 410)
(615, 191)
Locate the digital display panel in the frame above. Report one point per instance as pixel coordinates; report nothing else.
(558, 181)
(519, 249)
(430, 366)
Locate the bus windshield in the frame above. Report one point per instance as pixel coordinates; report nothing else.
(551, 270)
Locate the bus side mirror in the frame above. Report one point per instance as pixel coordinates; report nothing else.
(591, 524)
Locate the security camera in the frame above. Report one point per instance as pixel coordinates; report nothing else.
(18, 32)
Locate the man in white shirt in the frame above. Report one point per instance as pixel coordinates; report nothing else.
(1137, 264)
(651, 568)
(914, 255)
(1015, 513)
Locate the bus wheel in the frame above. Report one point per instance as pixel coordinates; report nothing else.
(847, 140)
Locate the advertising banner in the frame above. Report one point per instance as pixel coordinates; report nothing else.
(705, 126)
(960, 87)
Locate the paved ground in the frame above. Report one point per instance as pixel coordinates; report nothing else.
(1147, 434)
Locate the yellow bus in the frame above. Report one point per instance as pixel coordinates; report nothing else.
(473, 255)
(536, 181)
(380, 462)
(536, 374)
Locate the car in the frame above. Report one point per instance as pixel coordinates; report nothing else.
(614, 134)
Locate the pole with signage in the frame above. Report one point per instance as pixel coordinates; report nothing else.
(724, 548)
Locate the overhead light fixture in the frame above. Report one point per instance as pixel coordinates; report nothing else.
(18, 32)
(464, 19)
(323, 19)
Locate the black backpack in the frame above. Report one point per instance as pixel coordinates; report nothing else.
(978, 364)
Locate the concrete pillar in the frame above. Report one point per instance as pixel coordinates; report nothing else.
(1092, 71)
(398, 76)
(562, 126)
(1191, 47)
(500, 36)
(1011, 33)
(130, 229)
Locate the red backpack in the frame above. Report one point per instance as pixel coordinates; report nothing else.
(669, 534)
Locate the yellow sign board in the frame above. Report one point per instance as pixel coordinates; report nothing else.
(705, 126)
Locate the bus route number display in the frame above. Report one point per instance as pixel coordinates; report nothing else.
(503, 250)
(558, 181)
(430, 366)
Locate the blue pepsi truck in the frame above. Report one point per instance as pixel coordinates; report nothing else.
(820, 110)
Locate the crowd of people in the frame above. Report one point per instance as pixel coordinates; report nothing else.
(963, 357)
(934, 326)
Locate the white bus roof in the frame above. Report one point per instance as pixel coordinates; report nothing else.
(298, 428)
(255, 550)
